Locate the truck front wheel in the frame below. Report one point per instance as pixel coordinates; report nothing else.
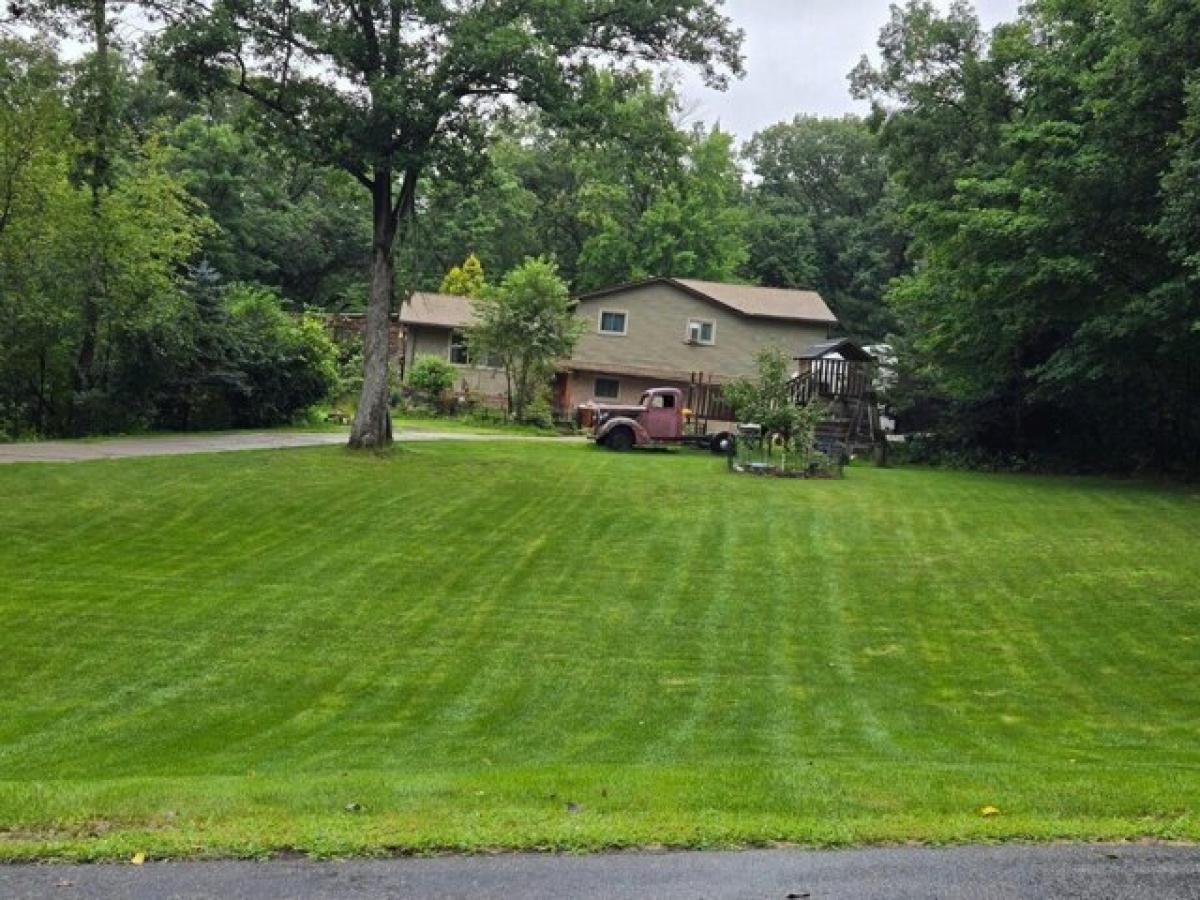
(619, 439)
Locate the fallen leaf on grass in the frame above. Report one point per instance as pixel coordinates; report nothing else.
(988, 811)
(138, 858)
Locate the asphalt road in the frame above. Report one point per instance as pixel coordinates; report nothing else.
(1131, 872)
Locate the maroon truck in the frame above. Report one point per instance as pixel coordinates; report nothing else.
(658, 420)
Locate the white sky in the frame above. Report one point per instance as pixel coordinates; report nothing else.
(798, 53)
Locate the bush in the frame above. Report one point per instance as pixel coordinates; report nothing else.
(432, 378)
(288, 364)
(767, 402)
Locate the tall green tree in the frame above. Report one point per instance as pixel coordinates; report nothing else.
(1040, 172)
(393, 91)
(280, 221)
(692, 225)
(528, 323)
(97, 127)
(822, 218)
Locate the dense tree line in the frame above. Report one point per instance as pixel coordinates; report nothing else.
(1047, 175)
(106, 320)
(1018, 215)
(128, 175)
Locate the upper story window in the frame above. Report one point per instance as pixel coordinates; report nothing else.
(701, 331)
(614, 321)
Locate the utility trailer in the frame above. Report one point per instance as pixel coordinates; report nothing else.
(659, 419)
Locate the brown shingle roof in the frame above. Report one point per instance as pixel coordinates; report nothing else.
(771, 303)
(439, 310)
(749, 300)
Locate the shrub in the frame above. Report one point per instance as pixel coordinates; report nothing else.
(767, 401)
(287, 364)
(431, 378)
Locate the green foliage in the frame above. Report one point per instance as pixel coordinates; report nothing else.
(767, 401)
(612, 190)
(528, 323)
(1045, 172)
(287, 363)
(690, 226)
(432, 377)
(466, 280)
(57, 238)
(821, 218)
(279, 222)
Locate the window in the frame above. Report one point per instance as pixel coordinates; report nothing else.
(607, 389)
(613, 321)
(460, 354)
(700, 331)
(662, 401)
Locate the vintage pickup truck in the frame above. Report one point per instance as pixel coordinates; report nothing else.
(658, 420)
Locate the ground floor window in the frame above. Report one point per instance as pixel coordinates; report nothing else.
(607, 389)
(460, 354)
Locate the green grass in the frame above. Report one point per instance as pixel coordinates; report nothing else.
(543, 646)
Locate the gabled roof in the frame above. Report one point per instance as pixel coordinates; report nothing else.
(437, 310)
(748, 300)
(846, 347)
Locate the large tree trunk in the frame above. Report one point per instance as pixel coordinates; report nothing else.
(98, 179)
(373, 420)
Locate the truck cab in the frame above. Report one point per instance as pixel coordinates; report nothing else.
(657, 420)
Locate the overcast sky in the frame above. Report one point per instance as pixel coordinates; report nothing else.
(798, 53)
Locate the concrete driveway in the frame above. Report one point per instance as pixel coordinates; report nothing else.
(172, 445)
(1134, 872)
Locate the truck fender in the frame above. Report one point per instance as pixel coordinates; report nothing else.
(640, 435)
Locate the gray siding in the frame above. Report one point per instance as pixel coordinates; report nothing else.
(656, 335)
(424, 340)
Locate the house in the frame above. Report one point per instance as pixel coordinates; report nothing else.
(435, 325)
(658, 332)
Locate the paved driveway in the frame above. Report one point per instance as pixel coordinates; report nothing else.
(121, 448)
(1135, 872)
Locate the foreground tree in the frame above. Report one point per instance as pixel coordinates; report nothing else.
(390, 91)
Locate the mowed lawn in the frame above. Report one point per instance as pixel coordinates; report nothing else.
(477, 646)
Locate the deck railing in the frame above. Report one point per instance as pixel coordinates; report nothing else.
(831, 379)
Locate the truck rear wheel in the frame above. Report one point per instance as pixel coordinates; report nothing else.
(721, 444)
(619, 439)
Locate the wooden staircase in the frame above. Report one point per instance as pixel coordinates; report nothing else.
(851, 423)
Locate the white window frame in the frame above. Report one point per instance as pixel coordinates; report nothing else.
(687, 333)
(596, 382)
(613, 312)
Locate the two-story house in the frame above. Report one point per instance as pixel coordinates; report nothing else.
(658, 332)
